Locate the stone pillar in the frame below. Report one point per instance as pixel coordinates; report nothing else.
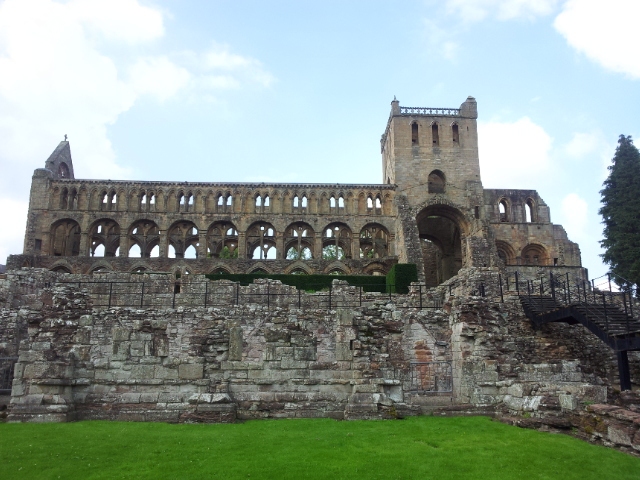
(201, 248)
(280, 253)
(84, 244)
(355, 246)
(164, 243)
(124, 245)
(317, 246)
(242, 245)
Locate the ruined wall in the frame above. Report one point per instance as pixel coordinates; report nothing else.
(376, 356)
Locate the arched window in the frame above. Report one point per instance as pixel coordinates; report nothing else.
(229, 200)
(182, 235)
(455, 134)
(529, 211)
(266, 200)
(340, 202)
(63, 170)
(369, 203)
(64, 199)
(261, 241)
(298, 241)
(332, 202)
(435, 137)
(220, 200)
(436, 182)
(145, 235)
(114, 199)
(534, 254)
(295, 202)
(374, 241)
(104, 238)
(222, 240)
(378, 204)
(65, 238)
(336, 242)
(258, 201)
(304, 202)
(414, 133)
(502, 208)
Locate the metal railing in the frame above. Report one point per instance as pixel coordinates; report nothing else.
(218, 294)
(600, 301)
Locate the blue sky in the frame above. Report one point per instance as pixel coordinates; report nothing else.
(300, 91)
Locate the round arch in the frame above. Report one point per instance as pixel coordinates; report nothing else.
(441, 229)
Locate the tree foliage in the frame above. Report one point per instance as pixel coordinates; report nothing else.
(621, 214)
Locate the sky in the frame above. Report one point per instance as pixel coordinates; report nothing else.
(290, 91)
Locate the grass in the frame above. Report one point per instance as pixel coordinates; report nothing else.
(418, 447)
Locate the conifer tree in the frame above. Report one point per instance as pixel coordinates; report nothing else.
(621, 214)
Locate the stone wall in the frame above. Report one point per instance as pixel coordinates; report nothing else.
(377, 356)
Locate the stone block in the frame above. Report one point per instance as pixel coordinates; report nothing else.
(344, 316)
(120, 334)
(235, 343)
(568, 402)
(304, 353)
(190, 371)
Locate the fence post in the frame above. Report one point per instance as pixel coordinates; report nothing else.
(360, 295)
(501, 293)
(206, 292)
(507, 281)
(173, 303)
(299, 298)
(142, 295)
(568, 289)
(626, 313)
(238, 293)
(541, 286)
(606, 318)
(420, 296)
(268, 296)
(517, 285)
(552, 285)
(631, 301)
(609, 279)
(330, 287)
(110, 291)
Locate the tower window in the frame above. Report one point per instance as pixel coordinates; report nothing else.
(455, 134)
(414, 133)
(436, 182)
(434, 135)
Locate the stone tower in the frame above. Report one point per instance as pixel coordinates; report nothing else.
(431, 154)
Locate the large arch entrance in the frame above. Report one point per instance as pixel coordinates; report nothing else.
(441, 230)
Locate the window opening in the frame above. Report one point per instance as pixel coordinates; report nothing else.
(527, 212)
(340, 202)
(454, 133)
(332, 202)
(258, 201)
(434, 134)
(436, 182)
(502, 207)
(230, 200)
(266, 201)
(295, 202)
(414, 133)
(304, 202)
(369, 203)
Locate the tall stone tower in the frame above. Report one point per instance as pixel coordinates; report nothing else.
(431, 154)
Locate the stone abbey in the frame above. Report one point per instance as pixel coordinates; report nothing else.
(431, 209)
(99, 319)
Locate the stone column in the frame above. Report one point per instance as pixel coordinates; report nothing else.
(84, 244)
(124, 245)
(317, 246)
(242, 245)
(280, 253)
(164, 243)
(355, 246)
(201, 248)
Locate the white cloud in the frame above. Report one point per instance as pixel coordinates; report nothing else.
(607, 34)
(120, 20)
(56, 79)
(477, 10)
(440, 40)
(14, 217)
(513, 155)
(575, 216)
(582, 144)
(158, 76)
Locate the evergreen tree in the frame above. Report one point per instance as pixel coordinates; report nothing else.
(621, 214)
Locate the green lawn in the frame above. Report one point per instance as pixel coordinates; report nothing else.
(418, 447)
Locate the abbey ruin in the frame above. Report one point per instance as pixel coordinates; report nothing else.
(109, 315)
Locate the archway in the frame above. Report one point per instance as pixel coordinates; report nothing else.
(441, 230)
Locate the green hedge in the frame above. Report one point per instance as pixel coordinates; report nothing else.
(400, 277)
(397, 280)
